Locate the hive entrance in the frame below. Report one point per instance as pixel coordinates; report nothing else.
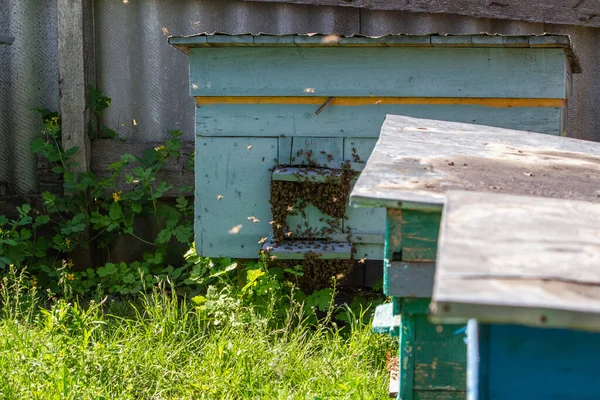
(293, 189)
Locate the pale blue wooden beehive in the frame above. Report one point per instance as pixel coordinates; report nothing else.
(258, 97)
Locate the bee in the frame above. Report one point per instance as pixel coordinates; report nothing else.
(262, 240)
(263, 160)
(249, 147)
(289, 233)
(290, 208)
(253, 219)
(219, 197)
(362, 260)
(235, 230)
(272, 222)
(272, 258)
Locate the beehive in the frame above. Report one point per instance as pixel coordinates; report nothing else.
(525, 271)
(265, 102)
(415, 162)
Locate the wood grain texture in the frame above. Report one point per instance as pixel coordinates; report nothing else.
(402, 279)
(570, 12)
(408, 72)
(241, 176)
(297, 250)
(520, 260)
(440, 356)
(438, 395)
(537, 363)
(363, 222)
(420, 231)
(174, 172)
(72, 55)
(416, 161)
(407, 357)
(365, 121)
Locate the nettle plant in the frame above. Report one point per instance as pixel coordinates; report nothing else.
(93, 215)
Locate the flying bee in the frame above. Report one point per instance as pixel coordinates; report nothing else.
(253, 219)
(362, 260)
(249, 147)
(262, 240)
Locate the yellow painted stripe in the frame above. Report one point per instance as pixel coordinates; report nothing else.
(362, 101)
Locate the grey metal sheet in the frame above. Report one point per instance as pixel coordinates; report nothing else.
(148, 79)
(28, 79)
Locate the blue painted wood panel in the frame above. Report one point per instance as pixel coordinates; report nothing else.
(405, 72)
(521, 362)
(359, 121)
(227, 167)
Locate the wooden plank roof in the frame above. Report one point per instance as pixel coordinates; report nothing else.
(570, 12)
(416, 161)
(519, 260)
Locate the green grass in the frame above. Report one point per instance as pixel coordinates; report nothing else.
(162, 347)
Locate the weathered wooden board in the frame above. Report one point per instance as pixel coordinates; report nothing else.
(523, 362)
(570, 12)
(232, 186)
(416, 161)
(297, 250)
(392, 71)
(363, 221)
(364, 121)
(521, 260)
(440, 356)
(432, 359)
(402, 279)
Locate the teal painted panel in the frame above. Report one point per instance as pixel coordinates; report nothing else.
(405, 72)
(363, 221)
(359, 121)
(230, 168)
(535, 363)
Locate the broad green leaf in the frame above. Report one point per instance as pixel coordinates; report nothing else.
(115, 212)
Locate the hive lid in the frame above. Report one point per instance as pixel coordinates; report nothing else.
(518, 260)
(416, 161)
(184, 43)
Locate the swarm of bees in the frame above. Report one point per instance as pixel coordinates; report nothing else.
(330, 197)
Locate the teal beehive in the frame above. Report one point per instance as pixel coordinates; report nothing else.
(304, 109)
(525, 271)
(414, 163)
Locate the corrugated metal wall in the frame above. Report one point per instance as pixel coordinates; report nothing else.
(148, 80)
(28, 79)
